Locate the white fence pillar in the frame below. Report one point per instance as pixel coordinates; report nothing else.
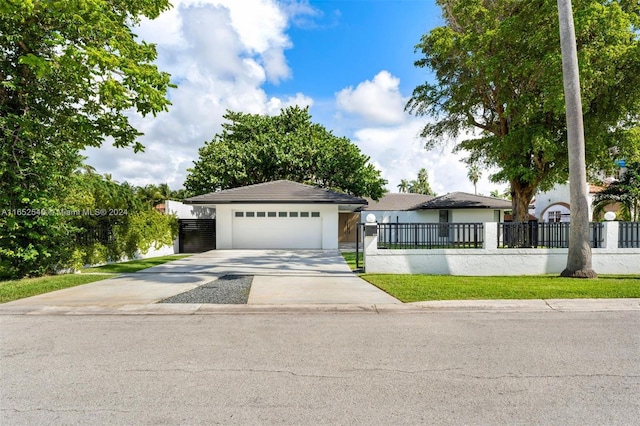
(490, 236)
(611, 233)
(370, 247)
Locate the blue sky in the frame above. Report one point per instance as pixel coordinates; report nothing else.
(351, 62)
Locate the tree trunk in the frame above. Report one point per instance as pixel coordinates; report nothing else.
(521, 196)
(520, 231)
(579, 256)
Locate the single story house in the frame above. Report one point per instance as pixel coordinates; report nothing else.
(455, 207)
(276, 215)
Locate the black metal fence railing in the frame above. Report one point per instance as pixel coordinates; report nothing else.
(430, 235)
(104, 234)
(544, 235)
(629, 235)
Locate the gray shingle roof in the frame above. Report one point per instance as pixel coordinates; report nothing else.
(462, 200)
(276, 192)
(397, 202)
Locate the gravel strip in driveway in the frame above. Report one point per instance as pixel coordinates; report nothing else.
(228, 289)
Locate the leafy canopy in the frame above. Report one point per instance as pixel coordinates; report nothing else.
(498, 72)
(255, 148)
(71, 75)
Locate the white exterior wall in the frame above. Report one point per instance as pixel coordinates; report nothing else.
(432, 216)
(491, 261)
(476, 262)
(189, 211)
(472, 215)
(328, 214)
(558, 194)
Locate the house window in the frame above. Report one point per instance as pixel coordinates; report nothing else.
(293, 214)
(260, 214)
(304, 214)
(239, 214)
(251, 214)
(315, 214)
(282, 214)
(271, 214)
(555, 216)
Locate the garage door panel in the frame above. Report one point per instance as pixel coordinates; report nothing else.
(278, 233)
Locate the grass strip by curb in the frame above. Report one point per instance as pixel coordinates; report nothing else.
(418, 288)
(26, 287)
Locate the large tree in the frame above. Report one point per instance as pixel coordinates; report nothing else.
(71, 74)
(255, 148)
(498, 73)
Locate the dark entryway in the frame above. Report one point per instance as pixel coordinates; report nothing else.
(196, 235)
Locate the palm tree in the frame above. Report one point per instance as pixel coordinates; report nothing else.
(579, 257)
(625, 191)
(404, 186)
(421, 185)
(474, 176)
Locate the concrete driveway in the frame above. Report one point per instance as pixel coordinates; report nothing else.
(280, 277)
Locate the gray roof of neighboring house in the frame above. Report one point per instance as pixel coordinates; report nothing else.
(462, 200)
(276, 192)
(397, 202)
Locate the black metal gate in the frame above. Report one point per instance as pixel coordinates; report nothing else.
(196, 235)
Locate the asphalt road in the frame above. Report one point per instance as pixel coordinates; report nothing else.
(564, 368)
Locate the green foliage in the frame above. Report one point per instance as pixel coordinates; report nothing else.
(96, 221)
(255, 149)
(498, 71)
(625, 191)
(421, 184)
(71, 73)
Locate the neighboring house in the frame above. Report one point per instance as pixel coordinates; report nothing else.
(554, 205)
(399, 207)
(455, 207)
(277, 215)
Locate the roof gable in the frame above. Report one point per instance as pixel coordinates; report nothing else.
(462, 200)
(276, 192)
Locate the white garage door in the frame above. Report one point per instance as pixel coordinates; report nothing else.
(277, 230)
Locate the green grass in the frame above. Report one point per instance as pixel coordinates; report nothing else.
(27, 287)
(134, 265)
(350, 258)
(416, 288)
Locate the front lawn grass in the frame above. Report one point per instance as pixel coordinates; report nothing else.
(134, 265)
(350, 258)
(416, 288)
(26, 287)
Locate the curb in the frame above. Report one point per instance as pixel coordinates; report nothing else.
(534, 305)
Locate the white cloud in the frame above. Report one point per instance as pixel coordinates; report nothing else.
(377, 101)
(275, 104)
(220, 53)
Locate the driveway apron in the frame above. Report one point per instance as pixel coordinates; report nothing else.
(279, 277)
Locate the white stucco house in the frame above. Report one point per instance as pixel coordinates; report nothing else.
(554, 205)
(455, 207)
(273, 215)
